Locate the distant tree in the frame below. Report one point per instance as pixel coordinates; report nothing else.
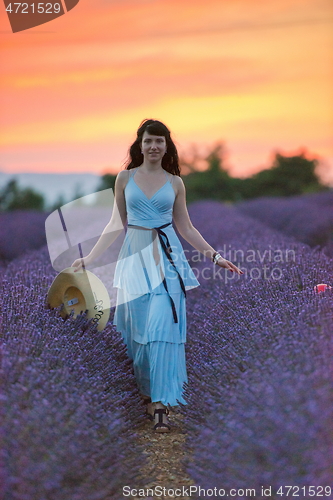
(12, 197)
(191, 160)
(289, 176)
(107, 181)
(212, 183)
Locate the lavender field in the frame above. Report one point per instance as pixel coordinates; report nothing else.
(21, 231)
(308, 218)
(260, 360)
(70, 402)
(259, 357)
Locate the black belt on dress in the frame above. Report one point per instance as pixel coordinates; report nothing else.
(167, 250)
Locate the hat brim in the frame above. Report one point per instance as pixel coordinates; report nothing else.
(80, 291)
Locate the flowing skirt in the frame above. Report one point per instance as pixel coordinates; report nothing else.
(155, 343)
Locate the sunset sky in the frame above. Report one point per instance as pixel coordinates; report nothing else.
(256, 75)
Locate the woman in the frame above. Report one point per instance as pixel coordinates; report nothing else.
(152, 274)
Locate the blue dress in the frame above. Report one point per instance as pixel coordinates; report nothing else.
(151, 304)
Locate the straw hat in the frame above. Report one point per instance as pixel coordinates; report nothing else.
(79, 291)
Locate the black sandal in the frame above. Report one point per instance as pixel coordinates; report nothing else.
(161, 426)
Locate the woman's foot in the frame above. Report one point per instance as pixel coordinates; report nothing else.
(160, 418)
(149, 406)
(145, 399)
(150, 411)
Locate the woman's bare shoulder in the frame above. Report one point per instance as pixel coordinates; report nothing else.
(178, 183)
(123, 174)
(122, 178)
(177, 179)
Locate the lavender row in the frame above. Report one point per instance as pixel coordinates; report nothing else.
(20, 231)
(71, 405)
(308, 218)
(259, 359)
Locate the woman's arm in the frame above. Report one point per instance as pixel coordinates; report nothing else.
(116, 225)
(189, 232)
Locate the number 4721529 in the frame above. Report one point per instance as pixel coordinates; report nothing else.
(305, 491)
(33, 8)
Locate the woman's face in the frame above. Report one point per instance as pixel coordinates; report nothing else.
(153, 147)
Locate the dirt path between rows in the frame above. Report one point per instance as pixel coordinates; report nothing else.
(165, 453)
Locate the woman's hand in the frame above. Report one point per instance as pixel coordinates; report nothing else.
(77, 264)
(228, 265)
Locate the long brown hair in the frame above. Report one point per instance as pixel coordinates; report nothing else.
(170, 161)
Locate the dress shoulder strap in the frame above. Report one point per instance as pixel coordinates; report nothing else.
(132, 172)
(169, 176)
